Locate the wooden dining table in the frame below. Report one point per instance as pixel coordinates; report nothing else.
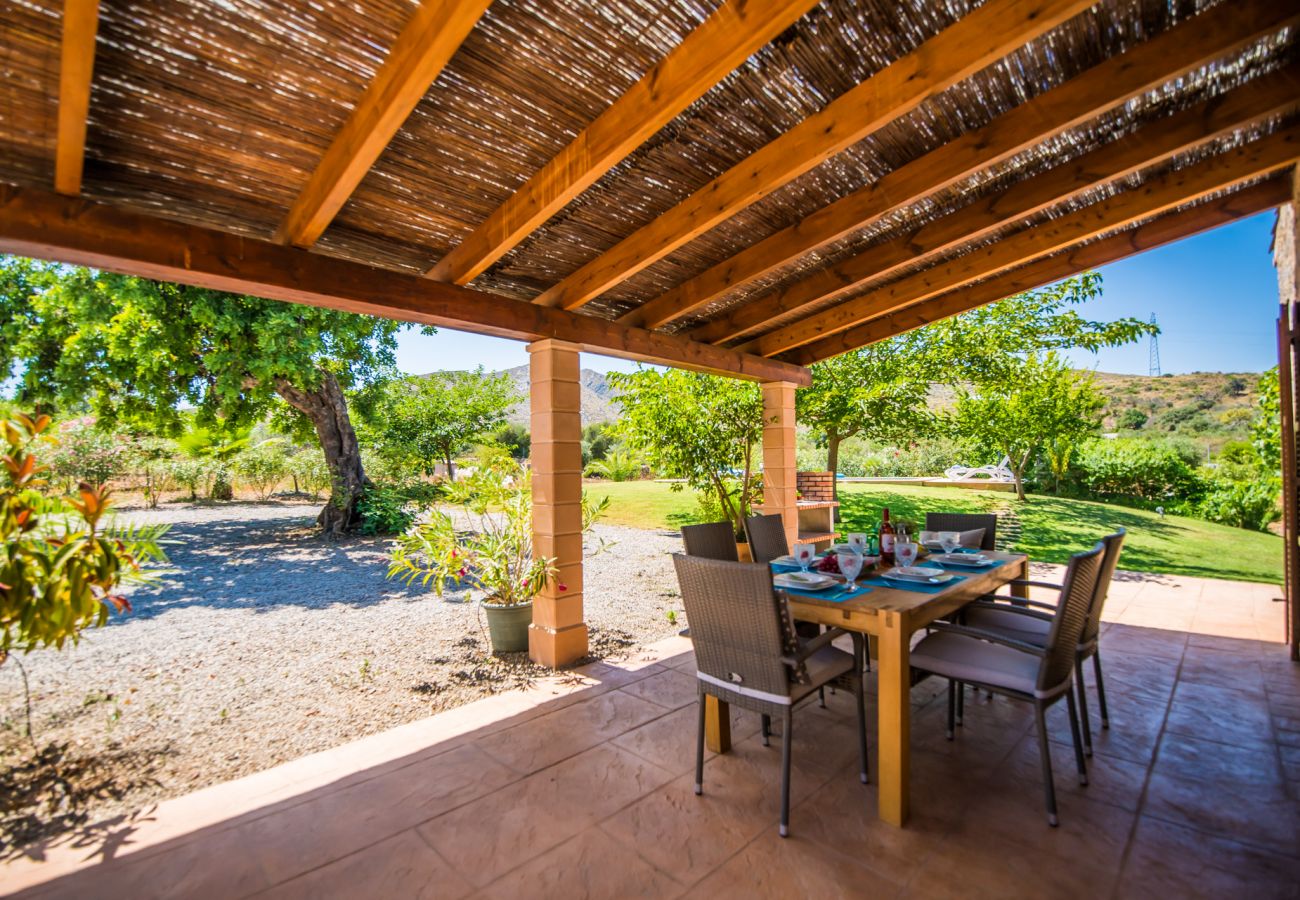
(891, 616)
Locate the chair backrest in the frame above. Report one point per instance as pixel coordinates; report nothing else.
(735, 624)
(1071, 616)
(965, 522)
(712, 540)
(766, 536)
(1112, 545)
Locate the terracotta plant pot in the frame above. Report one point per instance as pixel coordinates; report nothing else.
(742, 552)
(508, 626)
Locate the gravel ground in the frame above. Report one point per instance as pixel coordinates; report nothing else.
(265, 644)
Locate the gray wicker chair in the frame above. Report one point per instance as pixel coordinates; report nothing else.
(1038, 673)
(966, 522)
(747, 654)
(712, 540)
(766, 536)
(1031, 620)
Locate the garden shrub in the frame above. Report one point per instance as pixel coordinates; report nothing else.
(262, 467)
(308, 467)
(385, 509)
(83, 452)
(1144, 470)
(1243, 504)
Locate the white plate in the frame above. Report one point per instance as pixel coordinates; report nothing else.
(974, 560)
(813, 581)
(786, 560)
(918, 574)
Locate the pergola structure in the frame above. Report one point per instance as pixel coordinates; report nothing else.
(742, 187)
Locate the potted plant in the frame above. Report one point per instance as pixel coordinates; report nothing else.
(489, 545)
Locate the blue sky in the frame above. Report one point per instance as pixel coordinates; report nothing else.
(1214, 295)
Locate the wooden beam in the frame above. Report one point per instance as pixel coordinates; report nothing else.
(418, 56)
(733, 33)
(981, 38)
(1256, 159)
(76, 69)
(1274, 94)
(48, 226)
(1147, 66)
(1164, 230)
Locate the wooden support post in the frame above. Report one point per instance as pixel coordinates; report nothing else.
(1286, 255)
(894, 711)
(780, 470)
(558, 635)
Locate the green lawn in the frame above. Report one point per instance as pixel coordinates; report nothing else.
(1050, 528)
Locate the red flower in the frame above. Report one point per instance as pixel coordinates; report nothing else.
(462, 573)
(563, 587)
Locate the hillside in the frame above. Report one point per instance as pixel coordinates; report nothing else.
(596, 403)
(1209, 406)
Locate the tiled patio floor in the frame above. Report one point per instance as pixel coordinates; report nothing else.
(582, 788)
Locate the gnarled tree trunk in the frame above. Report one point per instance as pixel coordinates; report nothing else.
(327, 409)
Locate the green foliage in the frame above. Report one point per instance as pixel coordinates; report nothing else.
(616, 466)
(216, 447)
(1129, 468)
(1132, 419)
(700, 428)
(420, 422)
(598, 439)
(385, 509)
(1242, 504)
(1043, 404)
(514, 438)
(83, 452)
(263, 467)
(496, 554)
(1266, 430)
(60, 568)
(191, 473)
(308, 467)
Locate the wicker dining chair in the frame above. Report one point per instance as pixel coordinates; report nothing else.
(1038, 673)
(965, 522)
(746, 653)
(712, 540)
(1031, 620)
(766, 536)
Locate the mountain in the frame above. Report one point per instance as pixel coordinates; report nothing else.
(597, 401)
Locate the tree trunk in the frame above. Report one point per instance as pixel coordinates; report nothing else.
(833, 463)
(327, 409)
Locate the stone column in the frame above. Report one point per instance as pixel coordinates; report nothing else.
(558, 634)
(780, 471)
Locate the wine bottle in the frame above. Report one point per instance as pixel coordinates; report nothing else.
(886, 538)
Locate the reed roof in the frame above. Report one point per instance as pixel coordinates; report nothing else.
(216, 114)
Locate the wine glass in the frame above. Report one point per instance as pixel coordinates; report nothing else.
(950, 541)
(858, 542)
(803, 555)
(850, 566)
(905, 552)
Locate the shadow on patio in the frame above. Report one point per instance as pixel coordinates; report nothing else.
(582, 787)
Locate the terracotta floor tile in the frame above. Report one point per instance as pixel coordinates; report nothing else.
(590, 866)
(1169, 860)
(548, 739)
(975, 871)
(1238, 674)
(772, 866)
(1223, 714)
(402, 866)
(486, 839)
(1145, 642)
(670, 689)
(1262, 815)
(1111, 780)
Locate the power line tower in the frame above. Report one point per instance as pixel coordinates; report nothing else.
(1155, 350)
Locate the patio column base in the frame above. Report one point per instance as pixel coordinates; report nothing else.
(556, 647)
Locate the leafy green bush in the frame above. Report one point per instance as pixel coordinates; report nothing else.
(262, 467)
(1144, 470)
(83, 452)
(385, 509)
(1243, 504)
(616, 466)
(191, 472)
(308, 467)
(1132, 419)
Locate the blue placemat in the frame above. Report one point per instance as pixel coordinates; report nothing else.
(834, 595)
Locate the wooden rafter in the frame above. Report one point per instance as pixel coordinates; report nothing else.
(1147, 66)
(48, 226)
(76, 70)
(733, 33)
(418, 56)
(978, 40)
(1249, 104)
(1164, 230)
(1253, 160)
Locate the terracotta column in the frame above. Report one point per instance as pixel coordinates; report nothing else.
(780, 470)
(558, 634)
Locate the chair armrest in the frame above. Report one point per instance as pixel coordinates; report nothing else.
(1015, 610)
(808, 648)
(1018, 602)
(991, 637)
(1029, 582)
